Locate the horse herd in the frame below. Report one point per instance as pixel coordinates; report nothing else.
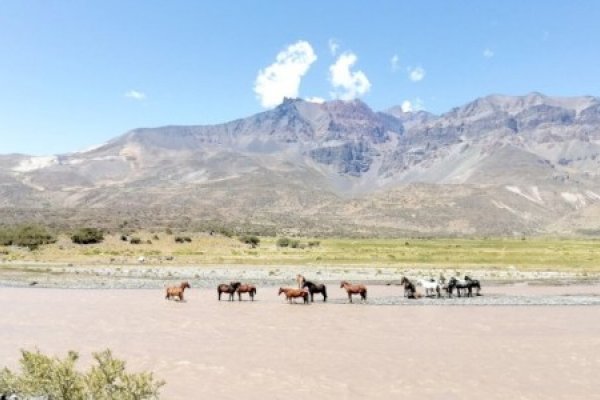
(307, 289)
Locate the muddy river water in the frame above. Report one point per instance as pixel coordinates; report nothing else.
(271, 350)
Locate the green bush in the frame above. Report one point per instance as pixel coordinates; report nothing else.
(252, 240)
(31, 236)
(135, 240)
(283, 242)
(87, 236)
(294, 244)
(314, 243)
(47, 377)
(183, 239)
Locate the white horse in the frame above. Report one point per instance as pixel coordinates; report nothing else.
(431, 286)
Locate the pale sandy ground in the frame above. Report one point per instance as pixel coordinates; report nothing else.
(270, 350)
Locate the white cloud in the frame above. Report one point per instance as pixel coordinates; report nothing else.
(412, 106)
(395, 62)
(315, 99)
(334, 46)
(416, 74)
(136, 95)
(347, 84)
(487, 53)
(282, 78)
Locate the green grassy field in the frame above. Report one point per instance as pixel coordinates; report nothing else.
(532, 253)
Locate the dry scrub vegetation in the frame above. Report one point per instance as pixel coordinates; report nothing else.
(210, 249)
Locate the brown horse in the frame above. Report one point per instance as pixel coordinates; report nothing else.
(410, 291)
(228, 288)
(177, 291)
(293, 293)
(354, 289)
(246, 288)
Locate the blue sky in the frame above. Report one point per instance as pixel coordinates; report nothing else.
(77, 73)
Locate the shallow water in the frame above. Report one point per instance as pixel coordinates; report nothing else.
(271, 350)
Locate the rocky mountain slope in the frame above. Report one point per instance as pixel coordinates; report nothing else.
(500, 165)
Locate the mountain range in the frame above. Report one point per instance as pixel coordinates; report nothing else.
(499, 165)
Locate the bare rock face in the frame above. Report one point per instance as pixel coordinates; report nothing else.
(512, 164)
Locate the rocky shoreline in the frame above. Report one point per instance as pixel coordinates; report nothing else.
(498, 282)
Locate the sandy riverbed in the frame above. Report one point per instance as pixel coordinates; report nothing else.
(271, 350)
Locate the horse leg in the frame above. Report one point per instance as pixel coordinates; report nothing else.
(350, 297)
(239, 296)
(324, 295)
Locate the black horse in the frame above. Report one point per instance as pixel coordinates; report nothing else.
(228, 288)
(410, 290)
(315, 288)
(460, 286)
(475, 284)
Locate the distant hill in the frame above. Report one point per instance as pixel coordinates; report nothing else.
(500, 165)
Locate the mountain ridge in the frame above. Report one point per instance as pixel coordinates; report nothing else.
(526, 159)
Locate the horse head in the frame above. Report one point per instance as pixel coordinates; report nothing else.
(344, 283)
(235, 285)
(280, 291)
(185, 285)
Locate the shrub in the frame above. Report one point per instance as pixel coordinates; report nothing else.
(225, 232)
(169, 231)
(124, 238)
(314, 243)
(183, 239)
(283, 242)
(31, 236)
(155, 237)
(294, 244)
(135, 240)
(252, 240)
(47, 377)
(87, 236)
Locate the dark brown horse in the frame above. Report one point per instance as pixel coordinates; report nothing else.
(177, 291)
(354, 289)
(228, 288)
(293, 293)
(246, 288)
(315, 288)
(410, 291)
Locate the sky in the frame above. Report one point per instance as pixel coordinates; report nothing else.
(74, 74)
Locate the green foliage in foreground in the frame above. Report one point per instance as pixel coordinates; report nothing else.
(47, 377)
(87, 236)
(31, 236)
